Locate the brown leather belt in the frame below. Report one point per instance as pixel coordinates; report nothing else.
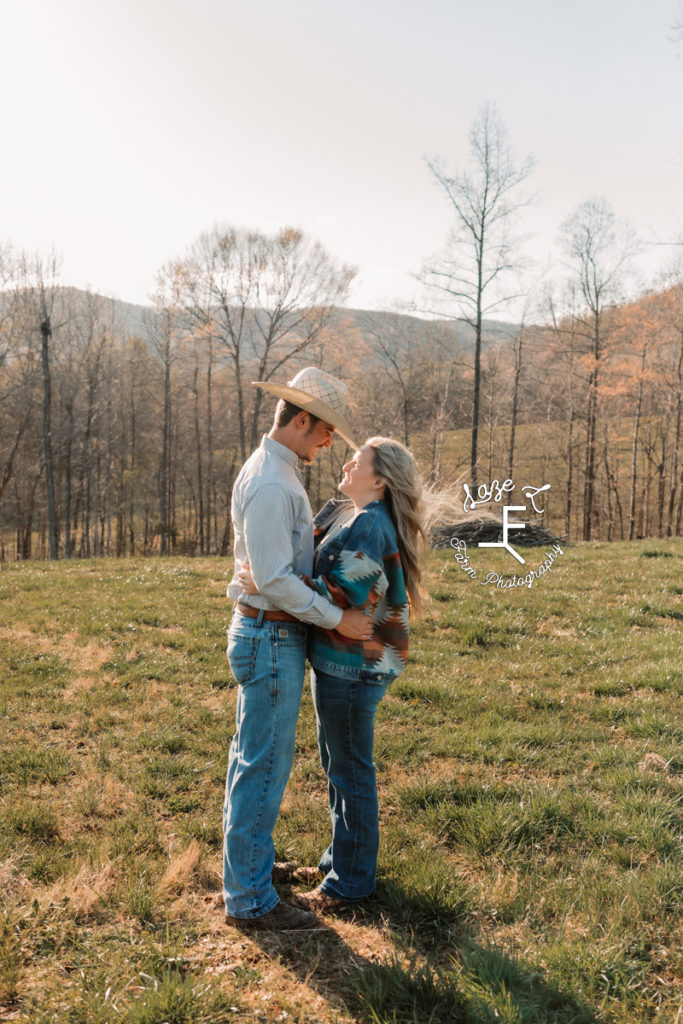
(271, 616)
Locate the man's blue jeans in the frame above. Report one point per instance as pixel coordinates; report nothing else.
(268, 660)
(345, 710)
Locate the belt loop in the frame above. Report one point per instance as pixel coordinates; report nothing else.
(259, 618)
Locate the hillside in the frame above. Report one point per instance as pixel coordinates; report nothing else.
(132, 319)
(146, 438)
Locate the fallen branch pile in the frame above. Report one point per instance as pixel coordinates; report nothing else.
(489, 529)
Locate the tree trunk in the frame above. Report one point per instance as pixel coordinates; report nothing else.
(240, 409)
(476, 387)
(133, 462)
(209, 445)
(591, 428)
(661, 485)
(68, 446)
(634, 455)
(88, 468)
(515, 402)
(490, 444)
(198, 453)
(46, 334)
(570, 471)
(165, 467)
(672, 519)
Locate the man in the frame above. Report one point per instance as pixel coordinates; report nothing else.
(273, 531)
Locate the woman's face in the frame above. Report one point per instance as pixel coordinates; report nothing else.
(360, 482)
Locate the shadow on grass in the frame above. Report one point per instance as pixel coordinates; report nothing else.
(442, 976)
(481, 985)
(320, 959)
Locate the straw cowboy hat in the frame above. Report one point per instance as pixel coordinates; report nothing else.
(317, 392)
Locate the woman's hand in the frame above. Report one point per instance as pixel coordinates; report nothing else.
(246, 580)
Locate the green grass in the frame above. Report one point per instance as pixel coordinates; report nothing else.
(529, 766)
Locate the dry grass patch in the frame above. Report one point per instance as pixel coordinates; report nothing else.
(654, 763)
(14, 886)
(85, 657)
(89, 894)
(21, 633)
(181, 870)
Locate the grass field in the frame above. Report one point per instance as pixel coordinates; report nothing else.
(530, 765)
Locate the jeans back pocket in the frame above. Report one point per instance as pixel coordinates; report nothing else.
(242, 653)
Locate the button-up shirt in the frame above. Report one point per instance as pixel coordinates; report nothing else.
(273, 529)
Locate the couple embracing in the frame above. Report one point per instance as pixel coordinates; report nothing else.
(338, 590)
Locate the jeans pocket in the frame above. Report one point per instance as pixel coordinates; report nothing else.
(290, 634)
(242, 653)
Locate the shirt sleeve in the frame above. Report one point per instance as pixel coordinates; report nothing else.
(269, 517)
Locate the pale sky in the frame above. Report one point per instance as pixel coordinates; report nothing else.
(130, 126)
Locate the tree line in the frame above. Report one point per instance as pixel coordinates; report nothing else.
(120, 438)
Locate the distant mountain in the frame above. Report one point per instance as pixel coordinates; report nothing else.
(132, 319)
(496, 332)
(128, 319)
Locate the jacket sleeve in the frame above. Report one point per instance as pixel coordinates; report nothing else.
(356, 568)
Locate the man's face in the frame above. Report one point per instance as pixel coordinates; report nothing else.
(317, 435)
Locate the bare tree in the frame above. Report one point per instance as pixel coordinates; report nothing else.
(19, 400)
(163, 335)
(673, 518)
(482, 251)
(83, 380)
(669, 372)
(637, 414)
(610, 458)
(491, 380)
(599, 249)
(8, 301)
(532, 309)
(38, 282)
(393, 343)
(266, 299)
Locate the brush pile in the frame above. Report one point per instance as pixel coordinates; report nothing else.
(488, 529)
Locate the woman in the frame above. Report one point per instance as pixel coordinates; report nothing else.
(367, 556)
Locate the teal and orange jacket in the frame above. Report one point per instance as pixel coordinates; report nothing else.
(358, 565)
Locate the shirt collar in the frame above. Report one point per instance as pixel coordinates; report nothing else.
(276, 448)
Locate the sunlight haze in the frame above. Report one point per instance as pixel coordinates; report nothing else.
(131, 127)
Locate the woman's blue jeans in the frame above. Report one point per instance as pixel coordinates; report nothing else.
(268, 660)
(345, 710)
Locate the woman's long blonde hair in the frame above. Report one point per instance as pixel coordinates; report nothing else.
(394, 462)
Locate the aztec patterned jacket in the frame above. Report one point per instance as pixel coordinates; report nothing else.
(358, 565)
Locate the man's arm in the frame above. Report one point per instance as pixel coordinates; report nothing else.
(268, 522)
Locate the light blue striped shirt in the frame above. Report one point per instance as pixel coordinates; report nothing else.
(273, 528)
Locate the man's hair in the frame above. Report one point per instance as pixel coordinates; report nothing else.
(286, 412)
